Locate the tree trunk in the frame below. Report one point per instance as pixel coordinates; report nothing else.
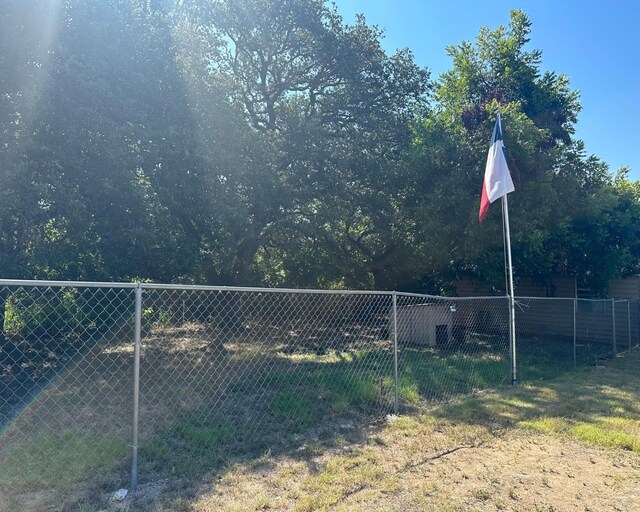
(379, 267)
(238, 275)
(245, 255)
(379, 278)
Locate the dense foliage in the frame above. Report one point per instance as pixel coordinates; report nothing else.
(267, 142)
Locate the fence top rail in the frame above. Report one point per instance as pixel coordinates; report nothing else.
(192, 287)
(523, 297)
(186, 287)
(595, 300)
(65, 284)
(450, 299)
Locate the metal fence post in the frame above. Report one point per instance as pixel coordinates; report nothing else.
(613, 322)
(395, 354)
(512, 336)
(575, 309)
(629, 322)
(136, 388)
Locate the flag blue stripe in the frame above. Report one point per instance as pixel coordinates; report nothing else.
(497, 131)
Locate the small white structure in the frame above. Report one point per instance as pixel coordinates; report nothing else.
(424, 324)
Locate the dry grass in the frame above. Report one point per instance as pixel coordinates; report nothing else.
(422, 464)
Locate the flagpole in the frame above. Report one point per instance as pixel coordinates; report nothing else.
(498, 183)
(512, 308)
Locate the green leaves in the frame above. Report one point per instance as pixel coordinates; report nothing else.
(267, 142)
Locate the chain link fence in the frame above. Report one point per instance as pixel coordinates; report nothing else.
(65, 388)
(113, 385)
(557, 334)
(227, 374)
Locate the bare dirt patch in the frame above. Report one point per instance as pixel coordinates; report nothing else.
(530, 472)
(518, 471)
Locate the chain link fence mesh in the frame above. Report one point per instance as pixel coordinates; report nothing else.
(450, 347)
(545, 337)
(623, 333)
(229, 374)
(65, 382)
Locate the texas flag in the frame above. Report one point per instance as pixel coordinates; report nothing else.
(497, 180)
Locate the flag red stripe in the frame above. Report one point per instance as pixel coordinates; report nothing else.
(484, 202)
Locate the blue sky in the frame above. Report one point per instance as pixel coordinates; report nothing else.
(595, 43)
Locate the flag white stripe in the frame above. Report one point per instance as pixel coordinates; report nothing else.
(497, 178)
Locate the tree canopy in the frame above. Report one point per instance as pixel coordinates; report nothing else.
(270, 143)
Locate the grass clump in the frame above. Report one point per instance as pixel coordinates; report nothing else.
(343, 391)
(292, 407)
(195, 441)
(199, 431)
(600, 434)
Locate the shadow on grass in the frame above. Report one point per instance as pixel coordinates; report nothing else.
(439, 373)
(482, 362)
(598, 405)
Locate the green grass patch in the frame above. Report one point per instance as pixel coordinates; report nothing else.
(439, 374)
(408, 392)
(620, 433)
(343, 390)
(292, 407)
(548, 425)
(200, 431)
(197, 441)
(362, 380)
(601, 434)
(600, 406)
(59, 460)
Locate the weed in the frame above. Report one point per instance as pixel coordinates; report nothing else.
(482, 494)
(261, 502)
